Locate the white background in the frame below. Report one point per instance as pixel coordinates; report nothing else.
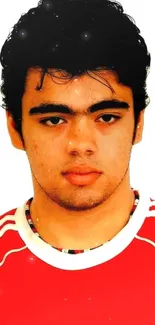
(15, 177)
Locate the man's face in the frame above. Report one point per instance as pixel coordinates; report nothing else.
(56, 142)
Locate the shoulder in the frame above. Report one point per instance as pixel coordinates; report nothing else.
(152, 208)
(150, 217)
(10, 240)
(7, 224)
(147, 231)
(11, 212)
(7, 218)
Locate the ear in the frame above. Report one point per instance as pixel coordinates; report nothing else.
(139, 128)
(14, 134)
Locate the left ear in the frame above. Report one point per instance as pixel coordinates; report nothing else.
(139, 128)
(14, 135)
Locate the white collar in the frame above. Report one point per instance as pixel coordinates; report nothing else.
(88, 259)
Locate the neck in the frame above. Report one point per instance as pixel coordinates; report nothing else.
(82, 230)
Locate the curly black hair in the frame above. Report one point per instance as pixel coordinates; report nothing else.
(75, 36)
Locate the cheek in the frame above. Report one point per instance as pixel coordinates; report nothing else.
(43, 154)
(116, 150)
(37, 143)
(41, 143)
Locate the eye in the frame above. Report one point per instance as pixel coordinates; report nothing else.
(52, 121)
(108, 118)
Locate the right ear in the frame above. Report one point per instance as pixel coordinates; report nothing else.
(14, 134)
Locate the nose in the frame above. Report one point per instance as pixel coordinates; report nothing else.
(81, 140)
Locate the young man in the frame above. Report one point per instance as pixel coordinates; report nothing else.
(82, 250)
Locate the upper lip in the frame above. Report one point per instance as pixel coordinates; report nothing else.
(82, 170)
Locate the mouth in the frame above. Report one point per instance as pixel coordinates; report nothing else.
(82, 176)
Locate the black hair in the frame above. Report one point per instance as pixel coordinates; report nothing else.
(75, 36)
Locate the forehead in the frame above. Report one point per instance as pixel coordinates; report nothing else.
(82, 90)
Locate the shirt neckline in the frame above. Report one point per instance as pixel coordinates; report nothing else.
(88, 259)
(75, 251)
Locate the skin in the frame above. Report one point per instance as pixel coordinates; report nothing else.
(66, 215)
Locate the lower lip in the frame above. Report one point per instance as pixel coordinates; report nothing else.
(82, 179)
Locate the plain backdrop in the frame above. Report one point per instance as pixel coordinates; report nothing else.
(15, 178)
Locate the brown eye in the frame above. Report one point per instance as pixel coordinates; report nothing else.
(54, 120)
(108, 118)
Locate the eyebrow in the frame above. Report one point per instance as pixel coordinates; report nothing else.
(45, 108)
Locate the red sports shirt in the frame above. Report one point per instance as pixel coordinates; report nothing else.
(112, 284)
